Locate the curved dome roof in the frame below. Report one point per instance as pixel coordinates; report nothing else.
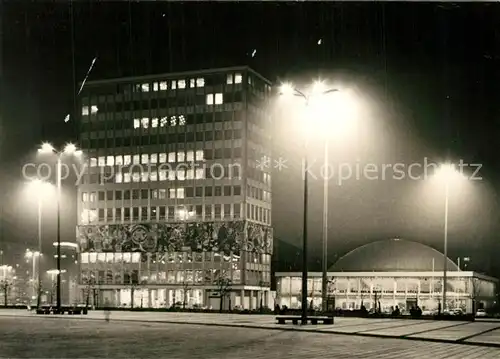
(392, 255)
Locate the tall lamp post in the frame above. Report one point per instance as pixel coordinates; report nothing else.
(318, 92)
(446, 173)
(69, 149)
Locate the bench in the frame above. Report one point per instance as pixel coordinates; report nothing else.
(296, 319)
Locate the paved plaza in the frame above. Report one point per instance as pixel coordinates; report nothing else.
(186, 335)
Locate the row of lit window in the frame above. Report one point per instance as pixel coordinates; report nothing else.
(155, 122)
(183, 84)
(216, 173)
(207, 276)
(258, 193)
(160, 193)
(159, 213)
(146, 158)
(170, 257)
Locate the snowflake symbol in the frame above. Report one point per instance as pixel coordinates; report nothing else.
(280, 163)
(264, 162)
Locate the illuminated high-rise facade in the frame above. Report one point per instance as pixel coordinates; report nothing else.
(175, 201)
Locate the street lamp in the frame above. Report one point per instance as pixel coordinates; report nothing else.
(313, 101)
(447, 173)
(40, 189)
(69, 149)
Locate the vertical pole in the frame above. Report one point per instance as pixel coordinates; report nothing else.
(33, 269)
(39, 277)
(324, 281)
(304, 246)
(445, 260)
(58, 283)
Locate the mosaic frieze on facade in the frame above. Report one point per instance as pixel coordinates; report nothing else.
(223, 237)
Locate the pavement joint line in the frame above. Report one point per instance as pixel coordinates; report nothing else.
(394, 326)
(432, 330)
(370, 335)
(478, 334)
(358, 324)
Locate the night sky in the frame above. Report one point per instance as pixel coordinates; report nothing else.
(430, 72)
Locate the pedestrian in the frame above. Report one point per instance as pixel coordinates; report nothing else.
(107, 314)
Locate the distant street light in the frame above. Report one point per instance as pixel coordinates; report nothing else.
(316, 106)
(69, 149)
(34, 256)
(447, 174)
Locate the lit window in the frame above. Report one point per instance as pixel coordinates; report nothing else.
(163, 121)
(110, 160)
(93, 162)
(136, 159)
(136, 177)
(199, 155)
(163, 85)
(93, 109)
(85, 111)
(181, 175)
(153, 176)
(137, 123)
(190, 156)
(154, 158)
(200, 82)
(118, 160)
(162, 175)
(119, 178)
(155, 86)
(180, 192)
(210, 99)
(171, 193)
(174, 84)
(173, 121)
(181, 156)
(144, 158)
(181, 84)
(145, 87)
(171, 157)
(192, 83)
(101, 161)
(190, 174)
(229, 79)
(200, 173)
(182, 120)
(145, 122)
(162, 158)
(238, 78)
(218, 99)
(144, 176)
(126, 160)
(85, 197)
(84, 258)
(154, 122)
(171, 175)
(162, 193)
(126, 177)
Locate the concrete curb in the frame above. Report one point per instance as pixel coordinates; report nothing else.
(250, 326)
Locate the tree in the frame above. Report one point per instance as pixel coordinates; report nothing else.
(223, 284)
(5, 286)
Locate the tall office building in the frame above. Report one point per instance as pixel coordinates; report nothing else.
(175, 204)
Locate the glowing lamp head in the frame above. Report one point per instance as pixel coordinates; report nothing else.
(318, 87)
(46, 148)
(70, 149)
(287, 89)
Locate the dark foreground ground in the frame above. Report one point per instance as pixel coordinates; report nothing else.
(38, 337)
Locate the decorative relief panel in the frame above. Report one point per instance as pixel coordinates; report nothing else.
(223, 237)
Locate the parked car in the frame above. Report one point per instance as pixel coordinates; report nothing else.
(481, 313)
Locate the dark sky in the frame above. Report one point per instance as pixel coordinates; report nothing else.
(431, 72)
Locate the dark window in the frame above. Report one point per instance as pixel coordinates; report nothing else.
(227, 190)
(101, 196)
(109, 195)
(189, 191)
(135, 194)
(126, 194)
(199, 192)
(208, 191)
(218, 191)
(236, 190)
(118, 195)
